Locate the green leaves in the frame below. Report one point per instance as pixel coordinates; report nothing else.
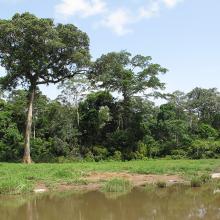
(122, 73)
(36, 51)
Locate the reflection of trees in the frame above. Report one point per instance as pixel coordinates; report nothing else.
(171, 203)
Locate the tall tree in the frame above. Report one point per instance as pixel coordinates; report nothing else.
(205, 103)
(73, 91)
(35, 51)
(127, 75)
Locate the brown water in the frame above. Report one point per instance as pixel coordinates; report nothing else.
(172, 203)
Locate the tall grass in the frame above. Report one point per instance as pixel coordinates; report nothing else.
(20, 178)
(117, 185)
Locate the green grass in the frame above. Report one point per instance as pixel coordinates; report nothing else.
(117, 185)
(21, 178)
(196, 182)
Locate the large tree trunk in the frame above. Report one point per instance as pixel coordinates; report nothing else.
(27, 151)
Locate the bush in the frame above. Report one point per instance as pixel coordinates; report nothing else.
(99, 153)
(152, 146)
(178, 154)
(206, 131)
(117, 156)
(41, 151)
(142, 148)
(11, 144)
(89, 157)
(68, 159)
(202, 149)
(137, 155)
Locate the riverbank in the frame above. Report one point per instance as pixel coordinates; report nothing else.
(21, 178)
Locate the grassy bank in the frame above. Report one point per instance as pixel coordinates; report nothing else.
(20, 178)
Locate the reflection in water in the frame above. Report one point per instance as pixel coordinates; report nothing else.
(171, 203)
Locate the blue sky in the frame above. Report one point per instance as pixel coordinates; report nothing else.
(181, 35)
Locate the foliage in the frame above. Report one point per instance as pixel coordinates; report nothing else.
(117, 156)
(154, 132)
(204, 149)
(35, 51)
(103, 111)
(206, 131)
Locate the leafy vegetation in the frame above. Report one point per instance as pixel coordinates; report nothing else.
(103, 112)
(19, 178)
(65, 133)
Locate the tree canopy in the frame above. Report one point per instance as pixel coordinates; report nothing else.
(35, 51)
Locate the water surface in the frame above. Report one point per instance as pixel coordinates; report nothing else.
(173, 203)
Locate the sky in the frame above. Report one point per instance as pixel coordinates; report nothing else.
(181, 35)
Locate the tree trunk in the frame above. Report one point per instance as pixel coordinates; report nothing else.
(77, 115)
(126, 110)
(27, 151)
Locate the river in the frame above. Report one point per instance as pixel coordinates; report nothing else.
(172, 203)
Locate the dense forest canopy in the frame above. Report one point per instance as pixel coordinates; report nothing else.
(187, 126)
(103, 111)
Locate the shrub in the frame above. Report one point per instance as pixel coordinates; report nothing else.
(137, 155)
(41, 150)
(206, 131)
(204, 149)
(89, 157)
(117, 156)
(11, 142)
(142, 148)
(99, 153)
(178, 154)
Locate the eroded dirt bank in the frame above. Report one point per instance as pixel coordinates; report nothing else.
(95, 180)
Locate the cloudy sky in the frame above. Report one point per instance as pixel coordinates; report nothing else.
(181, 35)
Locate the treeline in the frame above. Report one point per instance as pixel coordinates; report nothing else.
(91, 127)
(103, 111)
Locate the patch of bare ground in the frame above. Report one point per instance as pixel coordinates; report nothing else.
(95, 180)
(40, 188)
(87, 187)
(135, 179)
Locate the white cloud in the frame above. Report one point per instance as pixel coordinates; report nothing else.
(82, 8)
(171, 3)
(118, 21)
(151, 11)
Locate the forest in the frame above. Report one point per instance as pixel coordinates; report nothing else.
(107, 109)
(187, 126)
